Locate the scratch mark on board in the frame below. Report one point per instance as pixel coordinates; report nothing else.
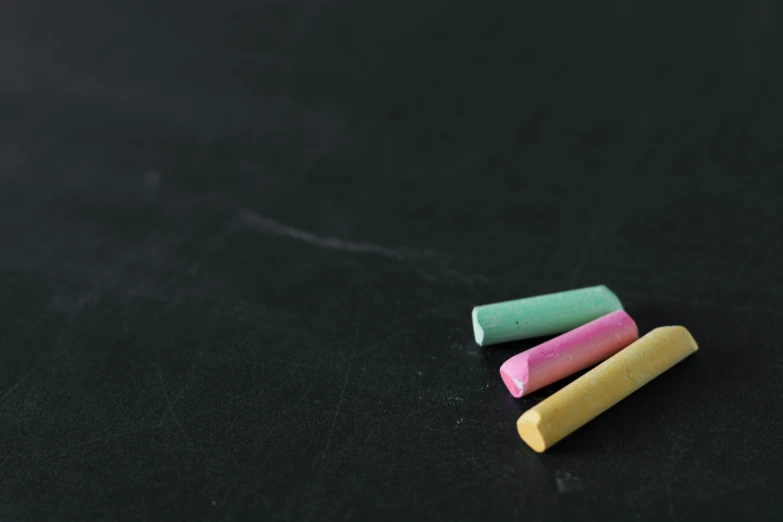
(15, 386)
(345, 383)
(321, 467)
(168, 401)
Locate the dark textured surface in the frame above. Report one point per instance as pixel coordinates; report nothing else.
(240, 241)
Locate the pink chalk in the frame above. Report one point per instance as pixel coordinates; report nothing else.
(568, 353)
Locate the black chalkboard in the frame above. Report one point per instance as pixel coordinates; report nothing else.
(240, 243)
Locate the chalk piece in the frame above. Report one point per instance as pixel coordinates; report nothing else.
(604, 386)
(568, 353)
(541, 315)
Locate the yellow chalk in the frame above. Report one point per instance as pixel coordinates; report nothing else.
(604, 386)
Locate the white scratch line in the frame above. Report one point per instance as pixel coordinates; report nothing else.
(168, 401)
(269, 225)
(15, 386)
(345, 383)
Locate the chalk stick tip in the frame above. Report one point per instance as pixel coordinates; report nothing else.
(679, 331)
(478, 331)
(515, 386)
(528, 426)
(614, 300)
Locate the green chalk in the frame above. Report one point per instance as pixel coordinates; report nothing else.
(541, 315)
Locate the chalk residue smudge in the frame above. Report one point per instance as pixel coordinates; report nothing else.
(567, 482)
(273, 226)
(432, 258)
